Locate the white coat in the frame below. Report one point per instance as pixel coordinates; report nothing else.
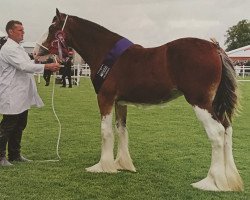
(18, 90)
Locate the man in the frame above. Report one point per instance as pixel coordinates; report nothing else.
(18, 92)
(66, 71)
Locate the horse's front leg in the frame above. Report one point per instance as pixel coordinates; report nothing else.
(123, 160)
(106, 163)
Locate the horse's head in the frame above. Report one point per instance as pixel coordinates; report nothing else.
(55, 40)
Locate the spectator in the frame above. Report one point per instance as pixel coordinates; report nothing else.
(66, 71)
(47, 73)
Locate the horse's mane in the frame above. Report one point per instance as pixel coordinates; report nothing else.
(92, 25)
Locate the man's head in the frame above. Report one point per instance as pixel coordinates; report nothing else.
(15, 30)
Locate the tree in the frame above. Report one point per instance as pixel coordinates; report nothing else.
(238, 36)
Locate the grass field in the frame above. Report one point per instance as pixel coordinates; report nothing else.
(168, 146)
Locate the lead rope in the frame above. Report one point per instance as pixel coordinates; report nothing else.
(59, 123)
(52, 102)
(53, 107)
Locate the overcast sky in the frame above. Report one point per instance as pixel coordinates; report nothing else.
(146, 22)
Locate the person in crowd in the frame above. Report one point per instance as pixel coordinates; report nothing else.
(2, 41)
(66, 71)
(47, 73)
(18, 92)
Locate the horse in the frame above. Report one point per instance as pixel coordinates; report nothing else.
(126, 73)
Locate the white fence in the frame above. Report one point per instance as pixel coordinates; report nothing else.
(82, 70)
(79, 70)
(242, 70)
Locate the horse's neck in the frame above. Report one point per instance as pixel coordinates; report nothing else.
(92, 42)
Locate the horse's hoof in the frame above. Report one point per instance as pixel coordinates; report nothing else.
(206, 184)
(98, 168)
(234, 180)
(129, 167)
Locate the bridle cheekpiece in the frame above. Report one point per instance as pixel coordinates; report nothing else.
(58, 45)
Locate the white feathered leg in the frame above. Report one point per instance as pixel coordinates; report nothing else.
(216, 178)
(233, 177)
(123, 160)
(106, 163)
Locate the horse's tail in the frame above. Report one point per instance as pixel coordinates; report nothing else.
(226, 99)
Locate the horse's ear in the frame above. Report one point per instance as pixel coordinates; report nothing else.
(58, 15)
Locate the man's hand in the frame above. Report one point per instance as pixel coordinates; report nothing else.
(54, 67)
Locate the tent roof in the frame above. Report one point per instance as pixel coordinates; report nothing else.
(243, 52)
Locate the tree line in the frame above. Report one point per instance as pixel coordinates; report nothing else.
(238, 35)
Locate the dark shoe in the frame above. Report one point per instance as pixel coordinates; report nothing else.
(63, 86)
(70, 86)
(20, 159)
(4, 162)
(47, 84)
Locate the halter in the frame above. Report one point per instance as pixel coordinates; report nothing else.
(59, 45)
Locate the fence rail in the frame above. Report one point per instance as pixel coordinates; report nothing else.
(83, 70)
(242, 70)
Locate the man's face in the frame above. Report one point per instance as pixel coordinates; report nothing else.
(17, 33)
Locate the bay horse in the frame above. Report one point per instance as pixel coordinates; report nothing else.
(198, 69)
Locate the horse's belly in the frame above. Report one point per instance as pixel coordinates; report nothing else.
(149, 97)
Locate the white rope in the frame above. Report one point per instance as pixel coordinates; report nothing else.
(59, 123)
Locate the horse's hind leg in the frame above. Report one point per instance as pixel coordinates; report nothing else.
(123, 160)
(216, 179)
(233, 177)
(223, 174)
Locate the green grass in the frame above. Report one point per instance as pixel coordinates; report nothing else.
(168, 145)
(245, 78)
